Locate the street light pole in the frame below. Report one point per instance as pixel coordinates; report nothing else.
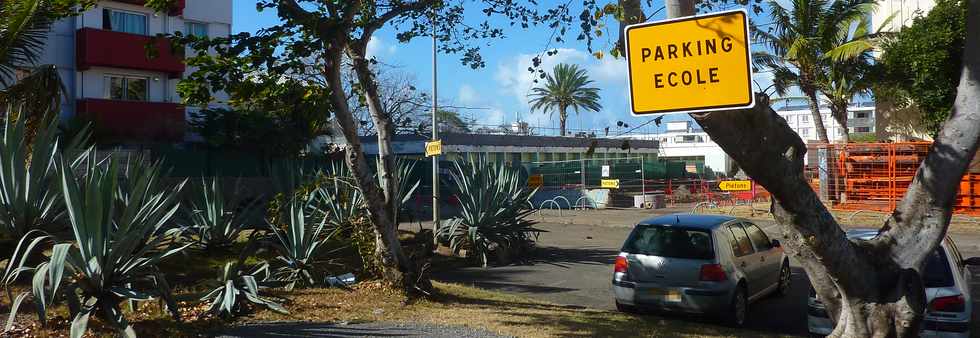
(435, 136)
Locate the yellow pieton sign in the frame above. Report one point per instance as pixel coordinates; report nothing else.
(690, 64)
(433, 148)
(735, 185)
(610, 184)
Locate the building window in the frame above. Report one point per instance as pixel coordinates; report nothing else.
(126, 88)
(687, 139)
(862, 115)
(805, 132)
(196, 29)
(126, 22)
(804, 119)
(864, 129)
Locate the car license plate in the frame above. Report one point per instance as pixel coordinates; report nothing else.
(665, 295)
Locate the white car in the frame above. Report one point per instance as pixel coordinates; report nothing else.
(947, 282)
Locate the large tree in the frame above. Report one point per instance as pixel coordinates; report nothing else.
(799, 38)
(324, 38)
(566, 87)
(871, 288)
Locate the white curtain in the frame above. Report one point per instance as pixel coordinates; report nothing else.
(129, 23)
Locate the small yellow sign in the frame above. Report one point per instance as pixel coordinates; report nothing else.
(690, 64)
(610, 184)
(535, 181)
(735, 185)
(433, 148)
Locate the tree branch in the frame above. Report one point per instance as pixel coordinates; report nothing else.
(764, 146)
(917, 225)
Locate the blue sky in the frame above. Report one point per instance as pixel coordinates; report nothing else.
(501, 87)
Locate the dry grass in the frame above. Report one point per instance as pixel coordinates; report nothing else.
(453, 305)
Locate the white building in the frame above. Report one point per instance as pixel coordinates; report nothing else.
(901, 11)
(103, 63)
(860, 119)
(683, 142)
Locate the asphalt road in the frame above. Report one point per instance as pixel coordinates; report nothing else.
(573, 266)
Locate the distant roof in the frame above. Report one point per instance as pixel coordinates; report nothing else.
(688, 220)
(519, 140)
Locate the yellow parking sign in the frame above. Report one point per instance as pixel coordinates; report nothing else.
(690, 64)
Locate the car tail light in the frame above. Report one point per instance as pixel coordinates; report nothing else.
(712, 273)
(948, 304)
(621, 264)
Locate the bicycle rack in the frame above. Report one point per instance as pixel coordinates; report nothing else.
(583, 206)
(567, 204)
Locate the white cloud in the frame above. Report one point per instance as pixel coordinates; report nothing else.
(378, 47)
(467, 95)
(513, 77)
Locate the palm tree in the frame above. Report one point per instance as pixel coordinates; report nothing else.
(26, 88)
(566, 87)
(800, 38)
(849, 66)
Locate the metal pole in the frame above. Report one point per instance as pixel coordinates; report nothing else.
(643, 181)
(435, 135)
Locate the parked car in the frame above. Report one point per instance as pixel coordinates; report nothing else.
(947, 282)
(700, 264)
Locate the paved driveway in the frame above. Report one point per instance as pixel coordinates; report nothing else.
(574, 266)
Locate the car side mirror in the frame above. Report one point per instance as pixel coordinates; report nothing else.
(972, 261)
(776, 244)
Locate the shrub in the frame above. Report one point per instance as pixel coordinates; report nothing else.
(117, 216)
(493, 201)
(299, 247)
(212, 223)
(240, 286)
(29, 194)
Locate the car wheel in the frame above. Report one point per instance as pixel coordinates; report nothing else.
(785, 279)
(625, 308)
(739, 308)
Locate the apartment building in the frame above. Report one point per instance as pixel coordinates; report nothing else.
(102, 57)
(860, 119)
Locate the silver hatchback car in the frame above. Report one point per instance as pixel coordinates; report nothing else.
(700, 264)
(947, 282)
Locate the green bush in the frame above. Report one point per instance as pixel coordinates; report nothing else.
(238, 287)
(118, 216)
(494, 204)
(299, 247)
(29, 194)
(213, 222)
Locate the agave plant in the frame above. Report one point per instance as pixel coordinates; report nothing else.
(299, 247)
(493, 201)
(29, 197)
(212, 223)
(240, 285)
(118, 225)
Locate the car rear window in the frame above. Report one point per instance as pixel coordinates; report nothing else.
(670, 241)
(937, 274)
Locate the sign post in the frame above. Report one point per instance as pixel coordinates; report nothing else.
(691, 64)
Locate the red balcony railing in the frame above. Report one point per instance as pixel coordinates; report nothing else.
(134, 121)
(175, 10)
(96, 47)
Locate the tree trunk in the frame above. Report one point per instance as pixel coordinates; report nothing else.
(811, 95)
(397, 268)
(562, 118)
(839, 112)
(871, 288)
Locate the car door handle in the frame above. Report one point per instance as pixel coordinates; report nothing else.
(743, 264)
(762, 258)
